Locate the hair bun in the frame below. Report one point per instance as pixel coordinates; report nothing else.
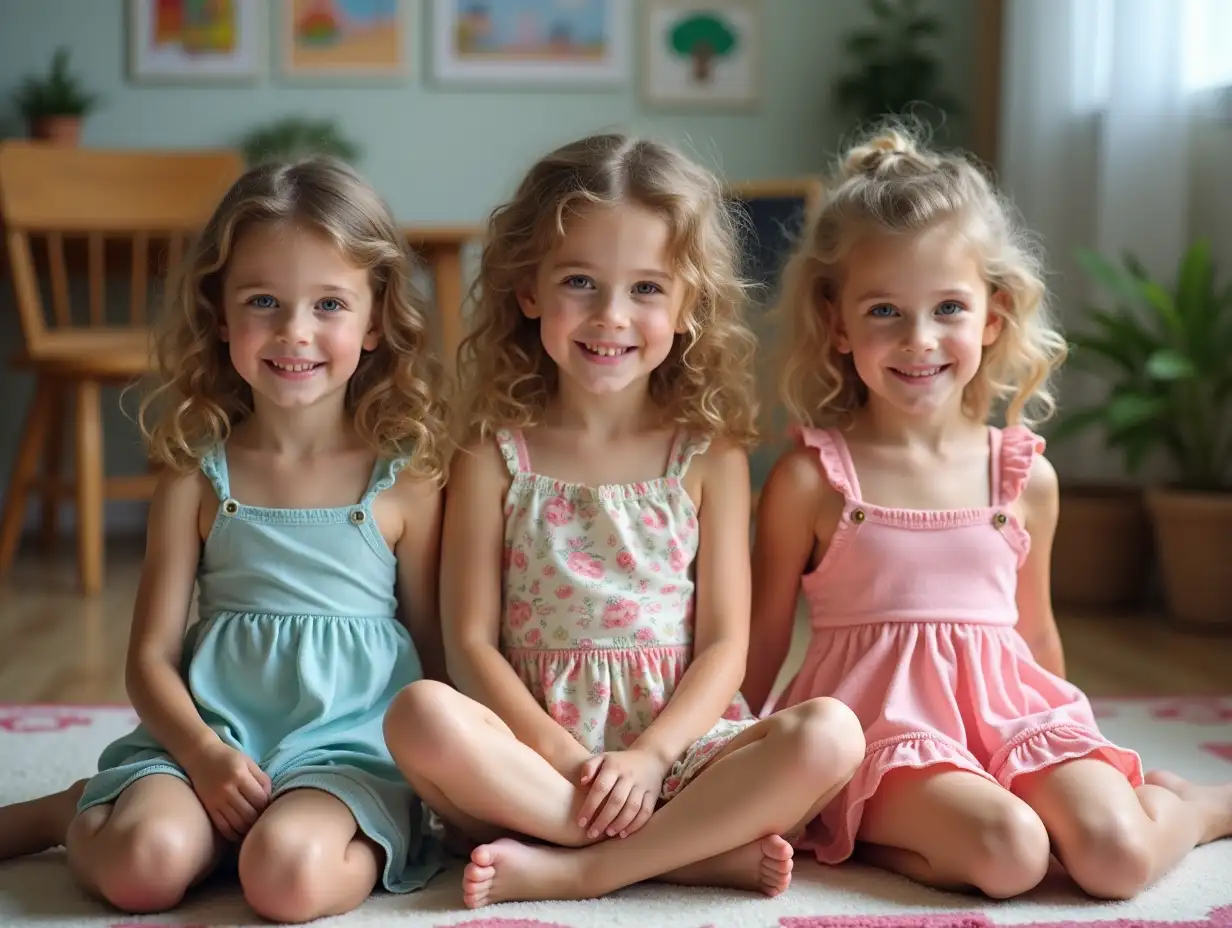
(883, 151)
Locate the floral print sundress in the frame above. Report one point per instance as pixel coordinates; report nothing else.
(598, 603)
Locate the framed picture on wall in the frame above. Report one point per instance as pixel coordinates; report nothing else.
(702, 53)
(192, 41)
(565, 44)
(344, 38)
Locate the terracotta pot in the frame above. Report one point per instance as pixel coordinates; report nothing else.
(1193, 532)
(59, 130)
(1101, 554)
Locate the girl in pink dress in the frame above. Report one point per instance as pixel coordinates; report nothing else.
(595, 575)
(921, 536)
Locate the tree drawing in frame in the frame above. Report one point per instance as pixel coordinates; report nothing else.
(702, 53)
(701, 38)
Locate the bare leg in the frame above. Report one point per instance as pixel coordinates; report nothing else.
(1114, 840)
(498, 787)
(144, 852)
(954, 830)
(468, 766)
(768, 781)
(305, 858)
(38, 824)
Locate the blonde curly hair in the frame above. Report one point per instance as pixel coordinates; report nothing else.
(394, 396)
(891, 183)
(706, 383)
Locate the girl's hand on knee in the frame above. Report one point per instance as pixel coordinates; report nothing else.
(231, 787)
(624, 787)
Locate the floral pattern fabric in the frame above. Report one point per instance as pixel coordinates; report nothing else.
(598, 603)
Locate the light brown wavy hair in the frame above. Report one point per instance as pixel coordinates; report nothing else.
(892, 184)
(395, 395)
(706, 382)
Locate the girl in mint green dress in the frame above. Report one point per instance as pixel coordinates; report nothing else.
(302, 443)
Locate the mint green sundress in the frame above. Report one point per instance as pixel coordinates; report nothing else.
(294, 661)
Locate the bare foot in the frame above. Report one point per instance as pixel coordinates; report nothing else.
(508, 870)
(762, 866)
(38, 824)
(1214, 801)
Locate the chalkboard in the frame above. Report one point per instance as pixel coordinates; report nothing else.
(770, 227)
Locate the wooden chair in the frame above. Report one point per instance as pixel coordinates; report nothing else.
(774, 211)
(62, 196)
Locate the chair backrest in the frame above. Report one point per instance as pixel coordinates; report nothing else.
(68, 196)
(774, 213)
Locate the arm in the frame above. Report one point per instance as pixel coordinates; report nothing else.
(721, 625)
(472, 549)
(1036, 623)
(418, 551)
(782, 546)
(152, 672)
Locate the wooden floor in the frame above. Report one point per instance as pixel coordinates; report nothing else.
(63, 648)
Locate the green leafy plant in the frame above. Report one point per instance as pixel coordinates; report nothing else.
(702, 38)
(58, 93)
(297, 137)
(893, 69)
(1167, 357)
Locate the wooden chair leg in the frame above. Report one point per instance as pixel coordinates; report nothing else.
(25, 464)
(53, 464)
(89, 487)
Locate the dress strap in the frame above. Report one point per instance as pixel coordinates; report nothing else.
(1013, 449)
(835, 458)
(214, 466)
(512, 446)
(684, 448)
(384, 473)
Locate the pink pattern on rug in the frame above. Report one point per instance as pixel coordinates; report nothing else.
(506, 923)
(40, 719)
(1197, 710)
(1218, 918)
(1221, 749)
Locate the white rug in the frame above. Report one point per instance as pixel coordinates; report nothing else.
(43, 748)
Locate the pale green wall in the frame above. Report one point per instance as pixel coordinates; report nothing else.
(441, 154)
(436, 154)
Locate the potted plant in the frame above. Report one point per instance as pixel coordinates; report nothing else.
(294, 137)
(1171, 393)
(55, 104)
(894, 71)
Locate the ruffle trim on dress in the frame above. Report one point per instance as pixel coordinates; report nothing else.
(831, 458)
(1019, 446)
(833, 841)
(1040, 748)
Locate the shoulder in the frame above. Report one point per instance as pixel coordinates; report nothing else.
(1041, 491)
(180, 488)
(412, 492)
(796, 479)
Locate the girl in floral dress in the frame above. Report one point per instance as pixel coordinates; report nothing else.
(595, 570)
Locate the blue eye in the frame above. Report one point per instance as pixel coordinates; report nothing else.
(883, 311)
(646, 288)
(578, 282)
(950, 308)
(263, 301)
(330, 305)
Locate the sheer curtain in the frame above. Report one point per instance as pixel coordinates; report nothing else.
(1111, 138)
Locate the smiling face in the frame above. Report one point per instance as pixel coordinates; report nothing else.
(915, 315)
(297, 315)
(608, 302)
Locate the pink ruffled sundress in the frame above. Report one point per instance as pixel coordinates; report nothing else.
(913, 619)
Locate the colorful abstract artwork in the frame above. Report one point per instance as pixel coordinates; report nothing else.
(531, 41)
(188, 40)
(338, 38)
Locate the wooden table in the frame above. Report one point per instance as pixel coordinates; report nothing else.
(441, 249)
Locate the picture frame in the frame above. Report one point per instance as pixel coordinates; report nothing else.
(192, 41)
(344, 39)
(702, 54)
(545, 44)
